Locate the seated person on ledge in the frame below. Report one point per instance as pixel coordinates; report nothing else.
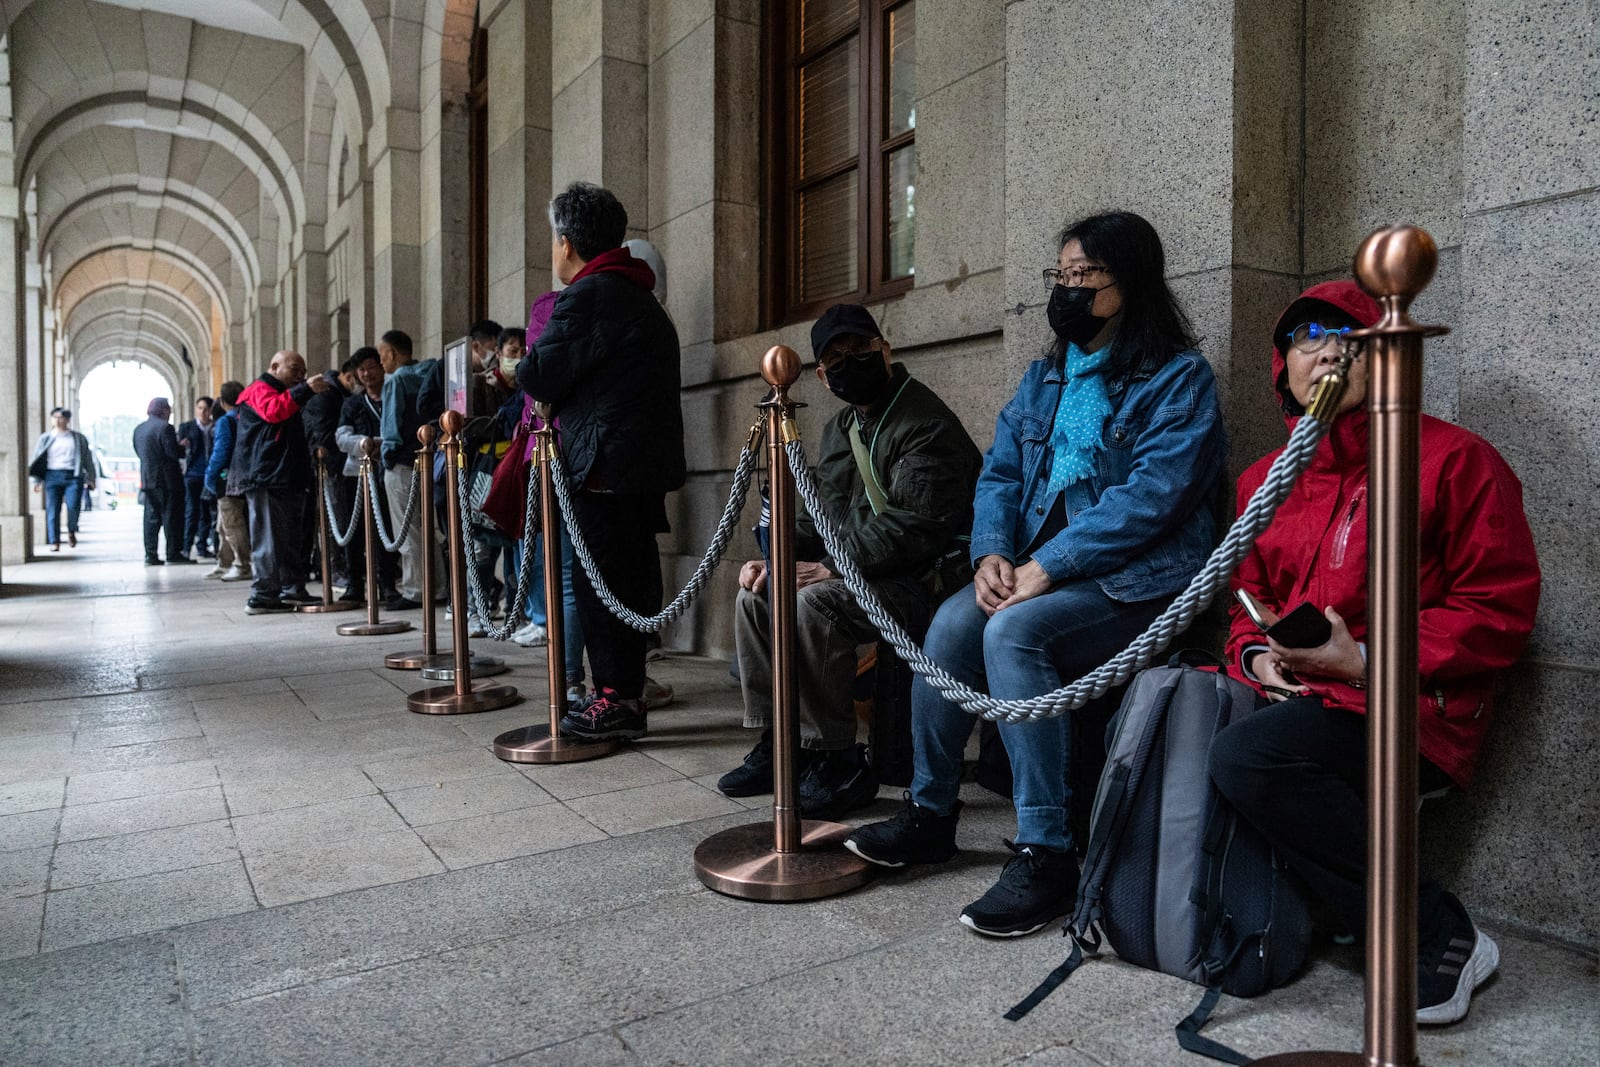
(1095, 506)
(1296, 768)
(906, 529)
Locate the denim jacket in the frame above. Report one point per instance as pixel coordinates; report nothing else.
(1143, 524)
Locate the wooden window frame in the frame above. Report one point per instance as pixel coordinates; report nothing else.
(782, 62)
(478, 174)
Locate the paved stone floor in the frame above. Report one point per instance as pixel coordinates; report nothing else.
(224, 840)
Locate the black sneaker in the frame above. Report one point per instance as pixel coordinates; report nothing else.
(152, 561)
(300, 596)
(1037, 885)
(916, 835)
(353, 595)
(836, 783)
(401, 603)
(262, 605)
(177, 560)
(605, 715)
(752, 777)
(1451, 965)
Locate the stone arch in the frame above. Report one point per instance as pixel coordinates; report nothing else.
(180, 311)
(130, 309)
(227, 297)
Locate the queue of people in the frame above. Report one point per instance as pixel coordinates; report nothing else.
(1025, 565)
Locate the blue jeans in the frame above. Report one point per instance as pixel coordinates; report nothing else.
(59, 486)
(1025, 650)
(534, 608)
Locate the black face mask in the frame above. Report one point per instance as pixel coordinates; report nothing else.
(1068, 312)
(859, 380)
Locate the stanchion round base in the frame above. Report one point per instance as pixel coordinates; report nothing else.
(321, 609)
(443, 699)
(741, 862)
(417, 660)
(482, 667)
(1313, 1059)
(373, 629)
(533, 744)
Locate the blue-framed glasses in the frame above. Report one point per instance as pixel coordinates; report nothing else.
(1312, 336)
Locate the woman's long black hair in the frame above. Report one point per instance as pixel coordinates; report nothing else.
(1152, 327)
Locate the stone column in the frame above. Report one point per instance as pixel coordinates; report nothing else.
(16, 534)
(599, 83)
(396, 225)
(519, 158)
(310, 299)
(1188, 113)
(1529, 324)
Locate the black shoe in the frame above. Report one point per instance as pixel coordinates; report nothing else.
(1037, 885)
(300, 596)
(916, 835)
(401, 603)
(262, 605)
(152, 561)
(605, 715)
(1451, 963)
(354, 595)
(179, 559)
(752, 777)
(837, 783)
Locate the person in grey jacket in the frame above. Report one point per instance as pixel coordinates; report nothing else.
(61, 468)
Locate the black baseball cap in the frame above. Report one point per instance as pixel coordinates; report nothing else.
(842, 320)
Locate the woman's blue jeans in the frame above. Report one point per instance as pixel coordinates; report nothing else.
(1025, 650)
(59, 486)
(534, 608)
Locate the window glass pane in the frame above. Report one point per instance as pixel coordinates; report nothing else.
(902, 69)
(827, 233)
(820, 20)
(902, 176)
(830, 98)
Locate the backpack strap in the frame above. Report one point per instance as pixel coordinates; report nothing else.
(1073, 961)
(1196, 657)
(1190, 1039)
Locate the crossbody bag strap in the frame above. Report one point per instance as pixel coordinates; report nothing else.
(869, 477)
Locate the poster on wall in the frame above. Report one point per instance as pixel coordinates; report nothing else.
(458, 375)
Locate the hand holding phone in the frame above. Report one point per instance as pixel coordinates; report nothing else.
(1304, 627)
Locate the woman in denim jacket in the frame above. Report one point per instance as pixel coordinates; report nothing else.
(1094, 507)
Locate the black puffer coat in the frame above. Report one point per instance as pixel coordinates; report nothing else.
(608, 365)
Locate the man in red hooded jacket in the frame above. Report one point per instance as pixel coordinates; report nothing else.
(1296, 768)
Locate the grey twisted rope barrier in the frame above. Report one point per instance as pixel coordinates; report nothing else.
(475, 594)
(1257, 515)
(702, 573)
(394, 544)
(349, 534)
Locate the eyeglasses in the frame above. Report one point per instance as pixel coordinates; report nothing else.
(1313, 336)
(837, 354)
(1072, 276)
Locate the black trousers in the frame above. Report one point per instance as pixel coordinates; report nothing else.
(277, 562)
(620, 529)
(163, 513)
(1297, 771)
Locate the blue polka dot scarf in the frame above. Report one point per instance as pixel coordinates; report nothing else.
(1080, 417)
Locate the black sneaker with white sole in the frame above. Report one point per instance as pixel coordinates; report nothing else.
(1037, 885)
(604, 715)
(752, 777)
(263, 605)
(836, 783)
(916, 835)
(1451, 964)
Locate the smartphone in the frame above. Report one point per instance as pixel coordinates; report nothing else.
(1304, 627)
(1252, 608)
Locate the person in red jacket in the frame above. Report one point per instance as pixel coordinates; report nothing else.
(1296, 768)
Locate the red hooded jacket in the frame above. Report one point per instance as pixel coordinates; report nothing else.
(1479, 580)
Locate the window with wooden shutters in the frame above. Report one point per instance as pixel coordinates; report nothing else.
(841, 165)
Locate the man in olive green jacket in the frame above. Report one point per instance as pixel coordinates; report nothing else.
(897, 472)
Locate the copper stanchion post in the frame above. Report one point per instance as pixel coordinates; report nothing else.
(464, 695)
(428, 655)
(323, 541)
(543, 743)
(367, 499)
(1394, 265)
(786, 859)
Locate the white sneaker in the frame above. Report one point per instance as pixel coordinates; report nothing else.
(215, 572)
(656, 694)
(236, 573)
(531, 636)
(476, 627)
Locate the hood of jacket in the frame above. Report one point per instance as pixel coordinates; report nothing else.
(619, 261)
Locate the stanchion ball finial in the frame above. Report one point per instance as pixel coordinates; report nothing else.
(369, 447)
(1396, 262)
(780, 366)
(452, 421)
(426, 434)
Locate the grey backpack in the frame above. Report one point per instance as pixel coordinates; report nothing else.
(1173, 880)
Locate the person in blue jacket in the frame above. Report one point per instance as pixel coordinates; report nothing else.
(1095, 505)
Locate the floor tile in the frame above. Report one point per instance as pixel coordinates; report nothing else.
(507, 834)
(133, 814)
(649, 807)
(153, 902)
(32, 796)
(321, 870)
(174, 848)
(325, 823)
(466, 797)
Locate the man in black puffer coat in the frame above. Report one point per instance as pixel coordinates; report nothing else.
(607, 364)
